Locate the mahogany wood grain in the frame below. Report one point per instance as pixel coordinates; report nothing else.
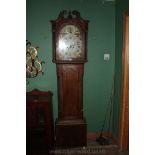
(70, 86)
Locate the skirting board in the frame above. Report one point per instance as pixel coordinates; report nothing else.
(93, 135)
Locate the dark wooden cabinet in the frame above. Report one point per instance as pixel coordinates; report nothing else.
(39, 122)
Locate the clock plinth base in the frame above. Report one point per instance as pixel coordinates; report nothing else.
(71, 134)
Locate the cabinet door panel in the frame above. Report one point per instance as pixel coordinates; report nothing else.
(31, 115)
(70, 89)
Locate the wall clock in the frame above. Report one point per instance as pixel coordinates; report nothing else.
(69, 33)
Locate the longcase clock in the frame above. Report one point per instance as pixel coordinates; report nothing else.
(70, 53)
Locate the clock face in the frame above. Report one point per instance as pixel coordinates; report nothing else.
(70, 43)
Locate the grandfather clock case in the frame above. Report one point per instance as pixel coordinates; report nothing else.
(69, 32)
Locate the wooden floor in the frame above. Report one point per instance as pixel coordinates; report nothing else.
(93, 148)
(97, 151)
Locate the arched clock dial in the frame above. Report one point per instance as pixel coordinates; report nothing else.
(69, 42)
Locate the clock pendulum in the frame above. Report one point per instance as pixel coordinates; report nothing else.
(69, 33)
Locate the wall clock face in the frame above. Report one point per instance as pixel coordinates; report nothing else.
(70, 43)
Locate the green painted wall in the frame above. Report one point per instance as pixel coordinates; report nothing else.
(101, 38)
(121, 6)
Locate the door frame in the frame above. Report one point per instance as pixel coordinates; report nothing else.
(124, 107)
